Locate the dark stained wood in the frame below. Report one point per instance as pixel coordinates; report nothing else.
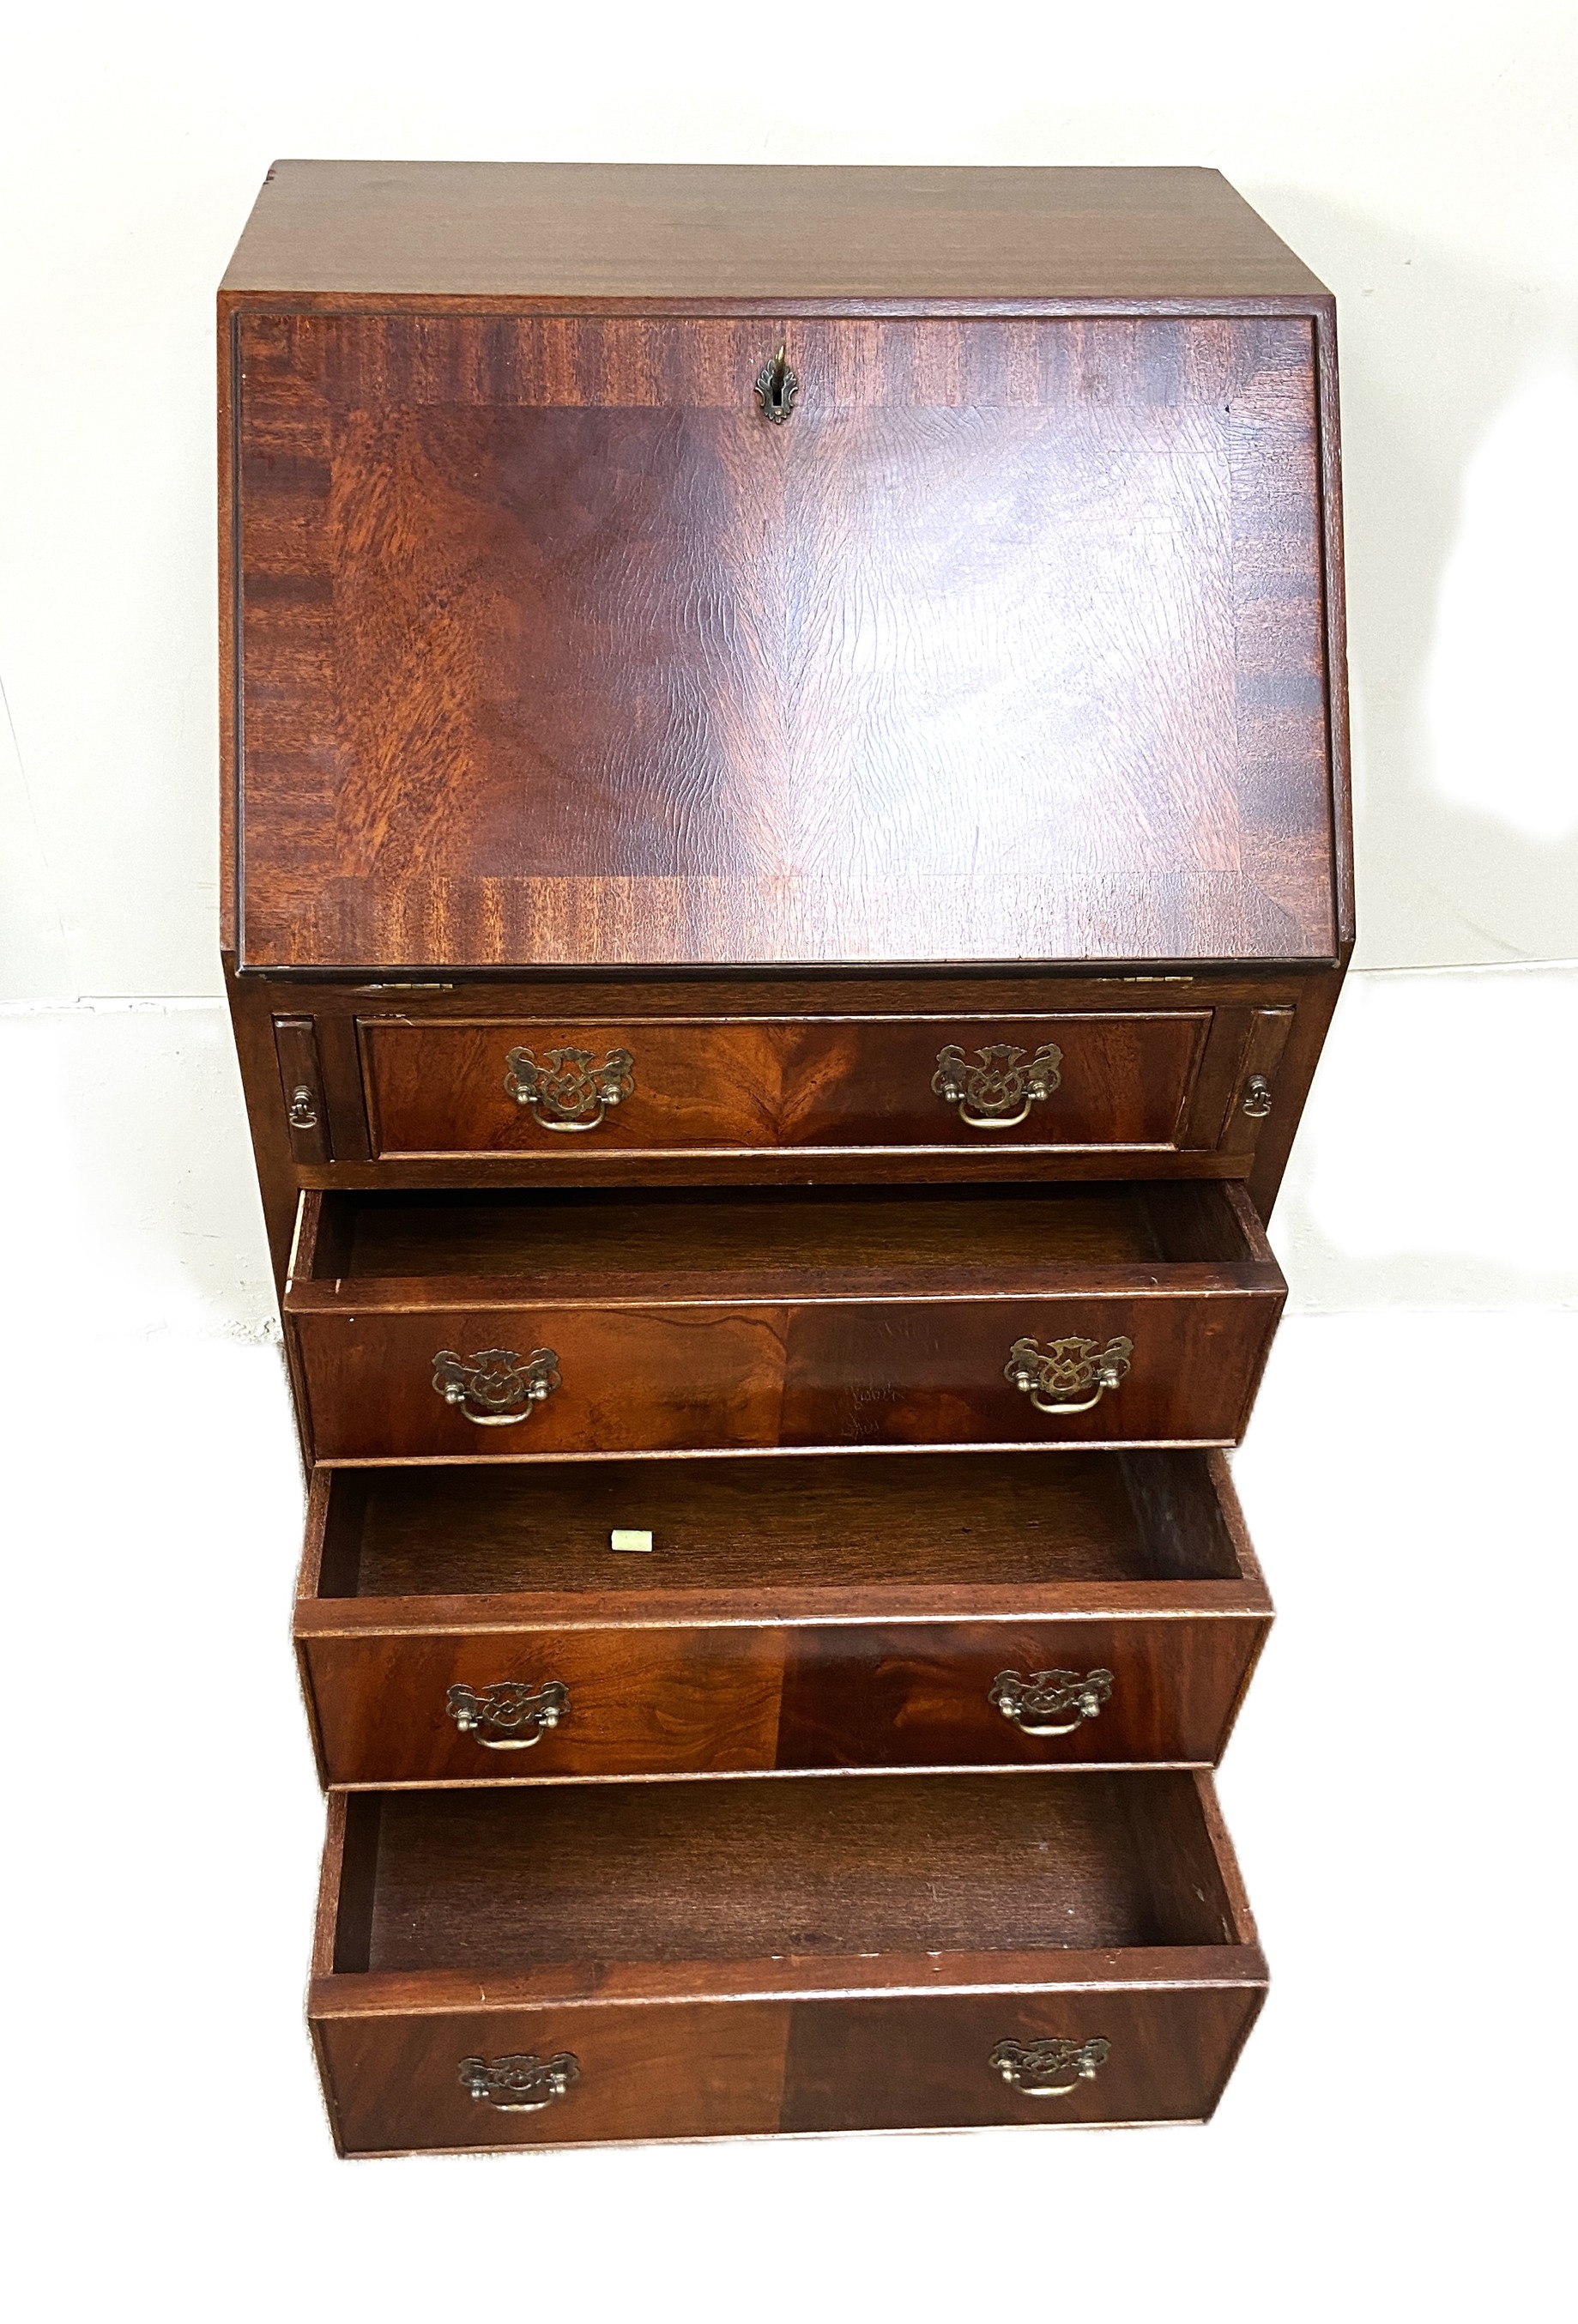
(795, 1320)
(302, 1089)
(997, 697)
(907, 1526)
(1124, 1080)
(513, 1876)
(921, 2064)
(553, 650)
(1215, 1138)
(746, 1243)
(836, 1614)
(524, 231)
(683, 1702)
(756, 1918)
(393, 2083)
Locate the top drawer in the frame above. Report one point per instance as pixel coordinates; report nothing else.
(536, 1085)
(1007, 644)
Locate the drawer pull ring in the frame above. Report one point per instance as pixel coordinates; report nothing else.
(1049, 2069)
(520, 2085)
(1036, 1704)
(1054, 1377)
(495, 1388)
(523, 1714)
(998, 1091)
(303, 1108)
(777, 386)
(569, 1090)
(1257, 1097)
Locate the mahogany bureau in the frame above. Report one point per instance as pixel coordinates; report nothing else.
(786, 871)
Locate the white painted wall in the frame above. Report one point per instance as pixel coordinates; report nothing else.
(1417, 153)
(1388, 2149)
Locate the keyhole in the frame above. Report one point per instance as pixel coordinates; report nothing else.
(777, 386)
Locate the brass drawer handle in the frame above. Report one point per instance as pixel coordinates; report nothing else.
(495, 1388)
(1036, 1703)
(1049, 2069)
(1056, 1377)
(569, 1090)
(522, 2084)
(1257, 1097)
(523, 1714)
(998, 1091)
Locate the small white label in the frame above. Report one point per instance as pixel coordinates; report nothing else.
(622, 1537)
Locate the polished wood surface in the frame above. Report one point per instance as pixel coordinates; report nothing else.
(828, 1614)
(1123, 1081)
(553, 650)
(392, 2083)
(667, 1244)
(996, 698)
(500, 1922)
(919, 2064)
(521, 231)
(795, 1320)
(1270, 1020)
(513, 1878)
(733, 1538)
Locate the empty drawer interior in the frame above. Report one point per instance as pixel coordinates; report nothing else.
(911, 1519)
(578, 1236)
(504, 1878)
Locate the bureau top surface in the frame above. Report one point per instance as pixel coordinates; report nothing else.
(529, 230)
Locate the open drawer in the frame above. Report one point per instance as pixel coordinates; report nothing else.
(539, 1966)
(468, 1624)
(521, 1326)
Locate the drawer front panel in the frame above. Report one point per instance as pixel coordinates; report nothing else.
(639, 1703)
(673, 2072)
(924, 2064)
(927, 1373)
(525, 1086)
(743, 2069)
(833, 1375)
(923, 1695)
(739, 1701)
(632, 1379)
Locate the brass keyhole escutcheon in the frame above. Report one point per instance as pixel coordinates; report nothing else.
(777, 386)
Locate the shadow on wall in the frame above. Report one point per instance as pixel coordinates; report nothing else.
(145, 1217)
(1434, 1165)
(1460, 418)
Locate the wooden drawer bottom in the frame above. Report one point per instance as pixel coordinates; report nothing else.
(536, 1967)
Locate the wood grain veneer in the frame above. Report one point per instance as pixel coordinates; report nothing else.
(996, 697)
(526, 231)
(797, 1320)
(840, 1614)
(698, 1948)
(552, 650)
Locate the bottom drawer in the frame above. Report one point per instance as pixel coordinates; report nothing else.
(541, 1966)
